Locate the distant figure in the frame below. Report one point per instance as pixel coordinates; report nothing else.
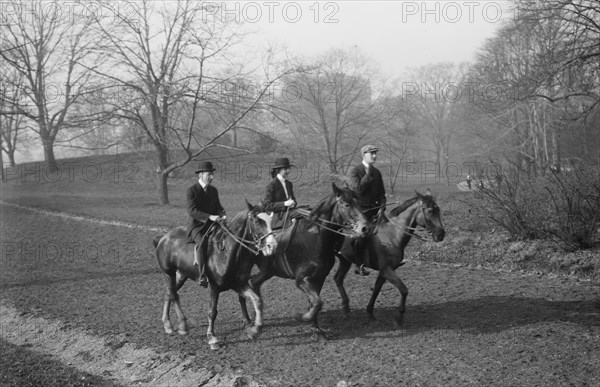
(469, 180)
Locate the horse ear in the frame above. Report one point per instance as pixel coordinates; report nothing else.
(250, 206)
(337, 190)
(428, 193)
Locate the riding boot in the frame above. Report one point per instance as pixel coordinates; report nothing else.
(359, 246)
(199, 257)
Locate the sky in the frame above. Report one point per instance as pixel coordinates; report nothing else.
(396, 35)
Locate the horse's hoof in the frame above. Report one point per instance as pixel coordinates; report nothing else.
(253, 332)
(183, 332)
(298, 317)
(321, 337)
(214, 343)
(168, 331)
(346, 311)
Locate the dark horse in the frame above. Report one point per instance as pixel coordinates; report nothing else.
(386, 248)
(231, 253)
(306, 252)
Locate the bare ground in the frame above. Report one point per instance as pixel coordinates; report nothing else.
(98, 288)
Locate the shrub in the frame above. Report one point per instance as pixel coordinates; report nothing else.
(563, 206)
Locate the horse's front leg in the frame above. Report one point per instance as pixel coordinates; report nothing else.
(312, 290)
(174, 283)
(376, 289)
(244, 309)
(254, 330)
(391, 276)
(213, 301)
(340, 274)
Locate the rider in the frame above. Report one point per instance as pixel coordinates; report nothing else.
(279, 196)
(204, 209)
(367, 182)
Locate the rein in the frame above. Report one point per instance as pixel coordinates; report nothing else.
(407, 228)
(321, 223)
(248, 244)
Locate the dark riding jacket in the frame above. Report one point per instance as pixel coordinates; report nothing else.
(200, 205)
(369, 187)
(275, 195)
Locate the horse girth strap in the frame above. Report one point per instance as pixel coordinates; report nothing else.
(292, 233)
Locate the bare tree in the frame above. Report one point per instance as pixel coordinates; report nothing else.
(398, 123)
(544, 65)
(11, 122)
(332, 103)
(48, 48)
(175, 70)
(436, 92)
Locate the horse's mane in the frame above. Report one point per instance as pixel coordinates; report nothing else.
(402, 207)
(240, 218)
(325, 207)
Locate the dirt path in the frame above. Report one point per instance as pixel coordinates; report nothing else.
(463, 326)
(121, 362)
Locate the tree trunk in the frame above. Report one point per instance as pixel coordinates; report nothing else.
(163, 190)
(555, 148)
(11, 158)
(49, 152)
(2, 165)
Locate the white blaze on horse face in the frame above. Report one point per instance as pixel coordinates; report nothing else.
(270, 244)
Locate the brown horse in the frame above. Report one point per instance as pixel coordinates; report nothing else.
(386, 248)
(306, 252)
(231, 253)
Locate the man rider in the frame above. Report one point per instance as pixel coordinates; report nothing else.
(204, 208)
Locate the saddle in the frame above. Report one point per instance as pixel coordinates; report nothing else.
(293, 227)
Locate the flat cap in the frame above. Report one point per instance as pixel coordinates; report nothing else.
(368, 148)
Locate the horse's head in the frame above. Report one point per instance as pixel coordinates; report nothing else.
(259, 225)
(429, 216)
(346, 212)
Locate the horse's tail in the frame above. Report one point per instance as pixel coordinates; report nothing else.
(157, 239)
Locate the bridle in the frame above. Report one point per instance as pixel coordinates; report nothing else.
(339, 228)
(255, 244)
(408, 229)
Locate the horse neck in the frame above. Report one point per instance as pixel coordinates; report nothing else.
(405, 222)
(239, 228)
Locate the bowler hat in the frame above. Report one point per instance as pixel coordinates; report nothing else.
(282, 162)
(368, 148)
(205, 166)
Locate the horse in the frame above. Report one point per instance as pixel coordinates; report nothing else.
(231, 252)
(386, 248)
(305, 251)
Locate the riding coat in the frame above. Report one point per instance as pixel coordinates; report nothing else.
(369, 187)
(201, 204)
(276, 196)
